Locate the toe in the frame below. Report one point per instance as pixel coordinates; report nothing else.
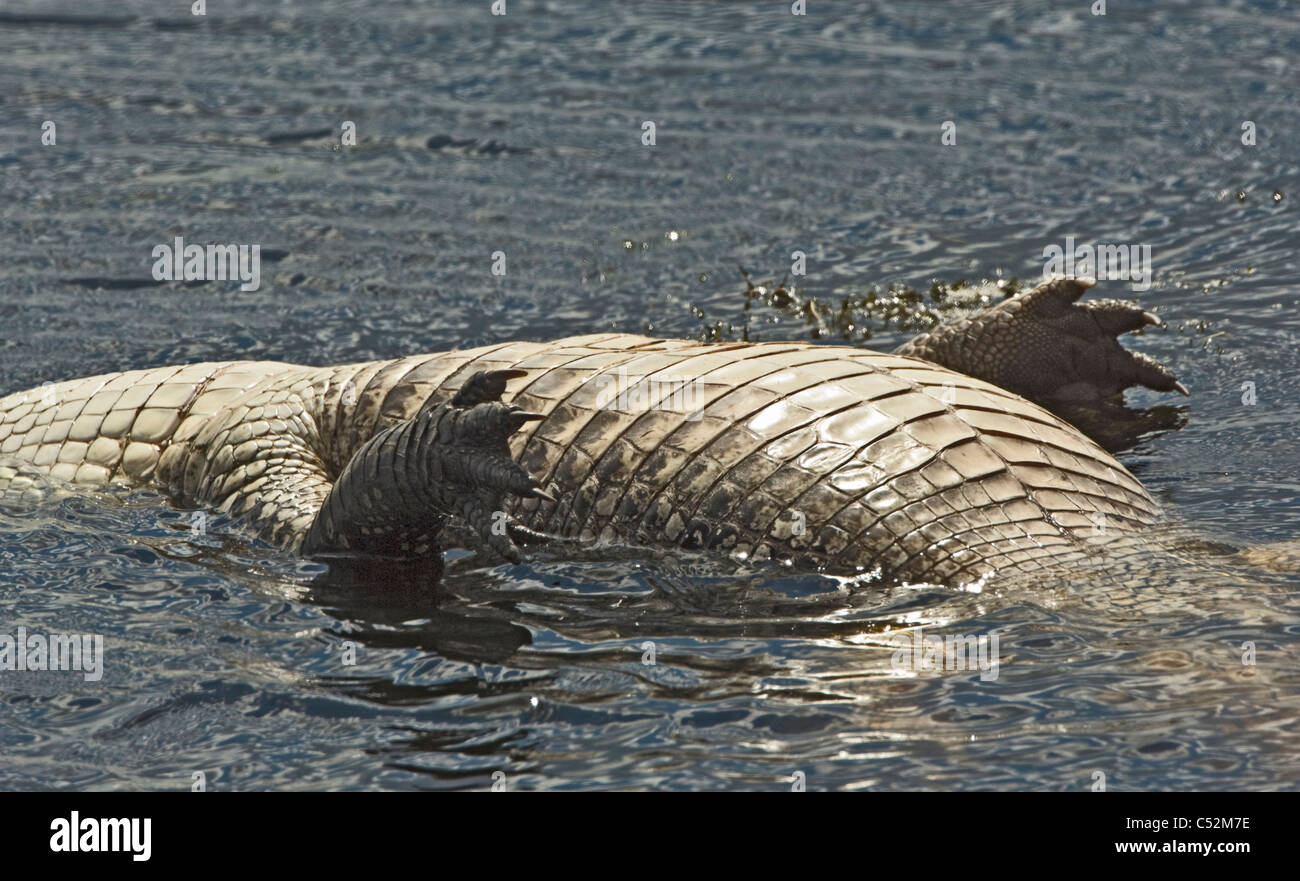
(1144, 370)
(1055, 294)
(1115, 317)
(524, 536)
(484, 512)
(506, 548)
(485, 386)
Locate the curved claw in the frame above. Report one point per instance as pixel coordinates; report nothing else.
(538, 493)
(519, 417)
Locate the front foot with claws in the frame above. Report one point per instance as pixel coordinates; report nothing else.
(451, 459)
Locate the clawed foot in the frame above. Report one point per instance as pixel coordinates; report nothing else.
(471, 469)
(397, 492)
(1046, 347)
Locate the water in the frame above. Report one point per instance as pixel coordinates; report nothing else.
(522, 134)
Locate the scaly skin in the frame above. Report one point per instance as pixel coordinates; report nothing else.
(826, 455)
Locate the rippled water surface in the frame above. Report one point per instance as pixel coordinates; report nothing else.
(522, 134)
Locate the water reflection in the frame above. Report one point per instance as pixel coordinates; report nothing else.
(391, 605)
(1117, 427)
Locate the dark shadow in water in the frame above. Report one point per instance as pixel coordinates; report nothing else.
(383, 599)
(1118, 427)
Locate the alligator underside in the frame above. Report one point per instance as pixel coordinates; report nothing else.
(824, 455)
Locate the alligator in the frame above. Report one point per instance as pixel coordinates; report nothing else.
(939, 463)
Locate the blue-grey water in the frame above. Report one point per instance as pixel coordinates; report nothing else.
(523, 134)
